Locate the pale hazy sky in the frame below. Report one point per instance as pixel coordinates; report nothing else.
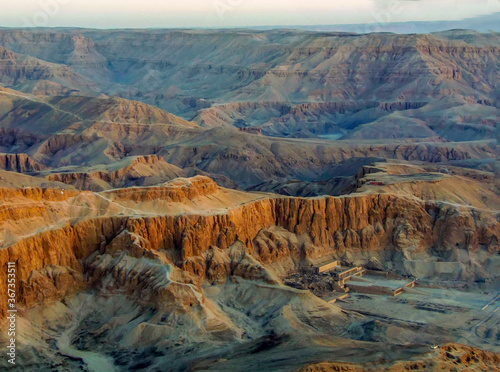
(232, 13)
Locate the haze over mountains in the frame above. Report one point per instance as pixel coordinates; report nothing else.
(168, 197)
(485, 23)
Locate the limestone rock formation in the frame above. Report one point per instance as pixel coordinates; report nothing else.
(20, 163)
(172, 206)
(407, 227)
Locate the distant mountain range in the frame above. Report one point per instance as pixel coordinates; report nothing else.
(297, 90)
(486, 23)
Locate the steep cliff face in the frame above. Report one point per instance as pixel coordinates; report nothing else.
(372, 223)
(20, 163)
(61, 247)
(177, 191)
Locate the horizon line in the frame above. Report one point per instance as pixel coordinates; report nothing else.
(269, 27)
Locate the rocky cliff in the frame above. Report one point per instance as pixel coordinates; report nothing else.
(143, 270)
(20, 163)
(402, 227)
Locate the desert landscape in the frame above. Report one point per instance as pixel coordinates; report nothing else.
(250, 200)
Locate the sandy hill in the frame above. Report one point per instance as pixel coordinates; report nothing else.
(455, 186)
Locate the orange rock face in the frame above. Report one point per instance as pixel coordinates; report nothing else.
(197, 243)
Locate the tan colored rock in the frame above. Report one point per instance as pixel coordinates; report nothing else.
(204, 244)
(20, 163)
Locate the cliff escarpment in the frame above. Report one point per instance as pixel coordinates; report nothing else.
(20, 163)
(402, 228)
(116, 148)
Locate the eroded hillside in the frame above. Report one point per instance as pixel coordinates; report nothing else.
(250, 200)
(172, 250)
(286, 83)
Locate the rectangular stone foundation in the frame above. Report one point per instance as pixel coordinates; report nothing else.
(327, 267)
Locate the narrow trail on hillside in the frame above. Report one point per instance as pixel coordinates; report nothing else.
(197, 294)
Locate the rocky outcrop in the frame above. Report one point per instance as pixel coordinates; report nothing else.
(451, 357)
(62, 247)
(49, 284)
(363, 172)
(369, 223)
(117, 110)
(36, 194)
(27, 204)
(401, 106)
(18, 140)
(21, 163)
(19, 70)
(62, 142)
